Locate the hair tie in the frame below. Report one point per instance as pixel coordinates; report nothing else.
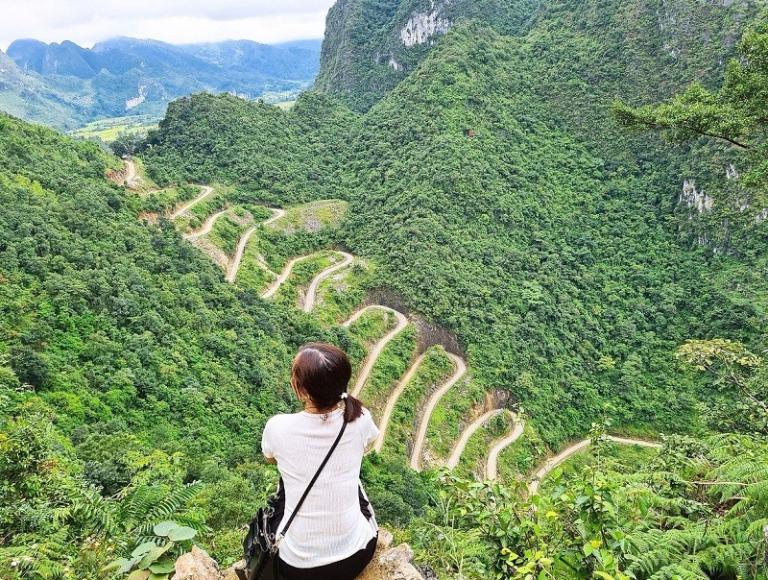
(344, 396)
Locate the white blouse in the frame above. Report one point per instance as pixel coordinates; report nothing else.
(329, 526)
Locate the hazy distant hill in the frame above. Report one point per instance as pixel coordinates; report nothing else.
(65, 85)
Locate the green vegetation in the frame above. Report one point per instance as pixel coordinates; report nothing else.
(127, 369)
(108, 130)
(293, 290)
(227, 230)
(287, 156)
(434, 369)
(491, 188)
(372, 325)
(475, 454)
(312, 217)
(522, 457)
(696, 510)
(339, 296)
(389, 368)
(124, 82)
(451, 415)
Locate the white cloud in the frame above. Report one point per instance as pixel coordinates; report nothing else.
(177, 21)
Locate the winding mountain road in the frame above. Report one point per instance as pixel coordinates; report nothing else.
(421, 434)
(392, 401)
(370, 360)
(466, 435)
(206, 227)
(131, 175)
(311, 297)
(491, 469)
(206, 191)
(554, 462)
(237, 259)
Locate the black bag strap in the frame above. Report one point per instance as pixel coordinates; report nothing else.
(314, 479)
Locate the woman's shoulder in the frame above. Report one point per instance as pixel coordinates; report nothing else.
(279, 421)
(366, 421)
(367, 415)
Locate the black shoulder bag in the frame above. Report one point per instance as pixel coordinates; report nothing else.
(262, 542)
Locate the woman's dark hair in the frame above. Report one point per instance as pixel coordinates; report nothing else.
(323, 371)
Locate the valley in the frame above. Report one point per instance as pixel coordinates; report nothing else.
(308, 301)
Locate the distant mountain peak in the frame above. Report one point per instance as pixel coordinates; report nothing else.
(140, 76)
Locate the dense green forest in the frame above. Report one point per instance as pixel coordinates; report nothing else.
(501, 199)
(508, 186)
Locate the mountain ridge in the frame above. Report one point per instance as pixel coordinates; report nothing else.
(65, 85)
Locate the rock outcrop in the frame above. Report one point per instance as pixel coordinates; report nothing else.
(388, 564)
(391, 563)
(197, 565)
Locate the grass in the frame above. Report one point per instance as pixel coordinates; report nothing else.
(451, 414)
(433, 371)
(302, 275)
(608, 456)
(475, 455)
(372, 325)
(110, 129)
(193, 219)
(311, 217)
(342, 294)
(522, 457)
(226, 233)
(394, 361)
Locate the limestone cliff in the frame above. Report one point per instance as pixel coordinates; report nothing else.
(389, 563)
(370, 46)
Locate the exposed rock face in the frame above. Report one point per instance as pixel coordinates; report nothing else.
(391, 563)
(388, 564)
(695, 199)
(137, 100)
(197, 565)
(423, 26)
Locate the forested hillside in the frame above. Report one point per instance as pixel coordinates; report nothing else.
(126, 364)
(370, 46)
(503, 201)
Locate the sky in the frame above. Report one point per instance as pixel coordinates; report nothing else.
(177, 21)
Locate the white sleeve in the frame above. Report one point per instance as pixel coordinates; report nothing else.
(267, 447)
(370, 430)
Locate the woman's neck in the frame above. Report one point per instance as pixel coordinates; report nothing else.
(312, 409)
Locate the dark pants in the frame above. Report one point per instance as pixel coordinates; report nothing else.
(347, 569)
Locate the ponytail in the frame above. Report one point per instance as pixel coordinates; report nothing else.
(353, 408)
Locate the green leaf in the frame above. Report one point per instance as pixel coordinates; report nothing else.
(164, 567)
(159, 576)
(121, 565)
(152, 556)
(181, 534)
(139, 575)
(163, 528)
(142, 549)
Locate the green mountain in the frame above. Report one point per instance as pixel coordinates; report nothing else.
(501, 199)
(489, 169)
(65, 85)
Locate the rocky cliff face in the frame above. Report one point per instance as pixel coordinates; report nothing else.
(370, 46)
(388, 564)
